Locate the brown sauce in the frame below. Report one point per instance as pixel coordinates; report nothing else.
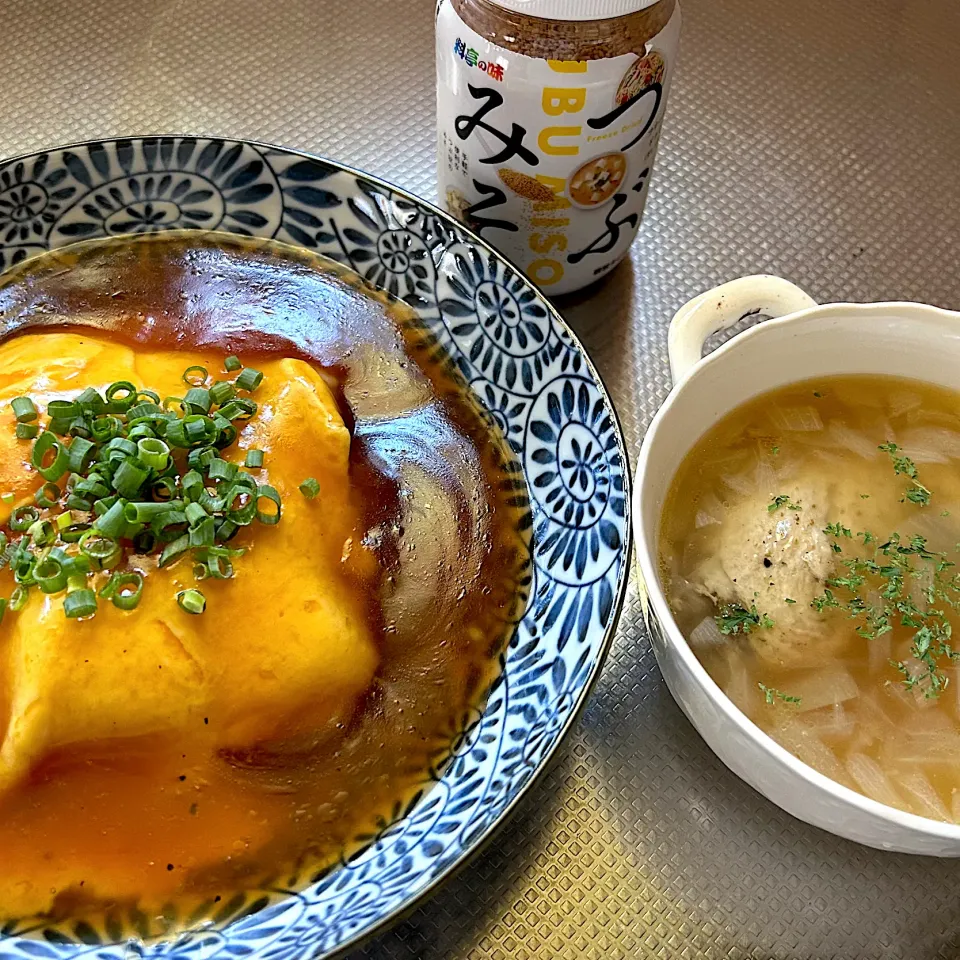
(445, 509)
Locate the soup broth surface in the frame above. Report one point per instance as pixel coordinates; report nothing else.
(129, 826)
(807, 548)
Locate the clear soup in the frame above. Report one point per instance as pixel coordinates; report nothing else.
(807, 550)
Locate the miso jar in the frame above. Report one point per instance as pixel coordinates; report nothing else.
(548, 117)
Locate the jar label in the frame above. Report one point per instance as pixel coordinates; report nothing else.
(549, 160)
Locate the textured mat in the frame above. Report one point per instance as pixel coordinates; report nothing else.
(818, 140)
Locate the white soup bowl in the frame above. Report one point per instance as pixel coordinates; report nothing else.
(801, 341)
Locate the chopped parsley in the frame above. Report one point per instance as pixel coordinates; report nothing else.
(782, 500)
(734, 618)
(826, 599)
(916, 493)
(837, 530)
(772, 693)
(774, 450)
(888, 571)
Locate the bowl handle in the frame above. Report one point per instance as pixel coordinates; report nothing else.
(722, 307)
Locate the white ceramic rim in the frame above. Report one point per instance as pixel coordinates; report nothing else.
(654, 595)
(581, 10)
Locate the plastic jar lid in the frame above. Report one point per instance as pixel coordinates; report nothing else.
(575, 9)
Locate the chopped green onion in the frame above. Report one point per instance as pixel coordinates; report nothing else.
(199, 429)
(22, 517)
(50, 576)
(120, 395)
(121, 445)
(7, 497)
(309, 488)
(110, 587)
(268, 516)
(173, 551)
(47, 495)
(42, 533)
(221, 470)
(226, 530)
(192, 601)
(211, 503)
(220, 568)
(244, 482)
(145, 512)
(80, 603)
(249, 379)
(241, 505)
(80, 428)
(199, 457)
(195, 376)
(23, 409)
(105, 428)
(145, 410)
(202, 534)
(91, 486)
(91, 401)
(102, 551)
(169, 526)
(47, 443)
(191, 485)
(239, 409)
(128, 588)
(194, 430)
(119, 466)
(228, 432)
(200, 571)
(222, 391)
(113, 523)
(195, 513)
(19, 597)
(23, 570)
(130, 530)
(144, 541)
(63, 409)
(165, 489)
(81, 454)
(232, 363)
(153, 453)
(74, 531)
(198, 399)
(142, 431)
(129, 478)
(76, 567)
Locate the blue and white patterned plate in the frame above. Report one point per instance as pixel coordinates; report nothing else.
(528, 370)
